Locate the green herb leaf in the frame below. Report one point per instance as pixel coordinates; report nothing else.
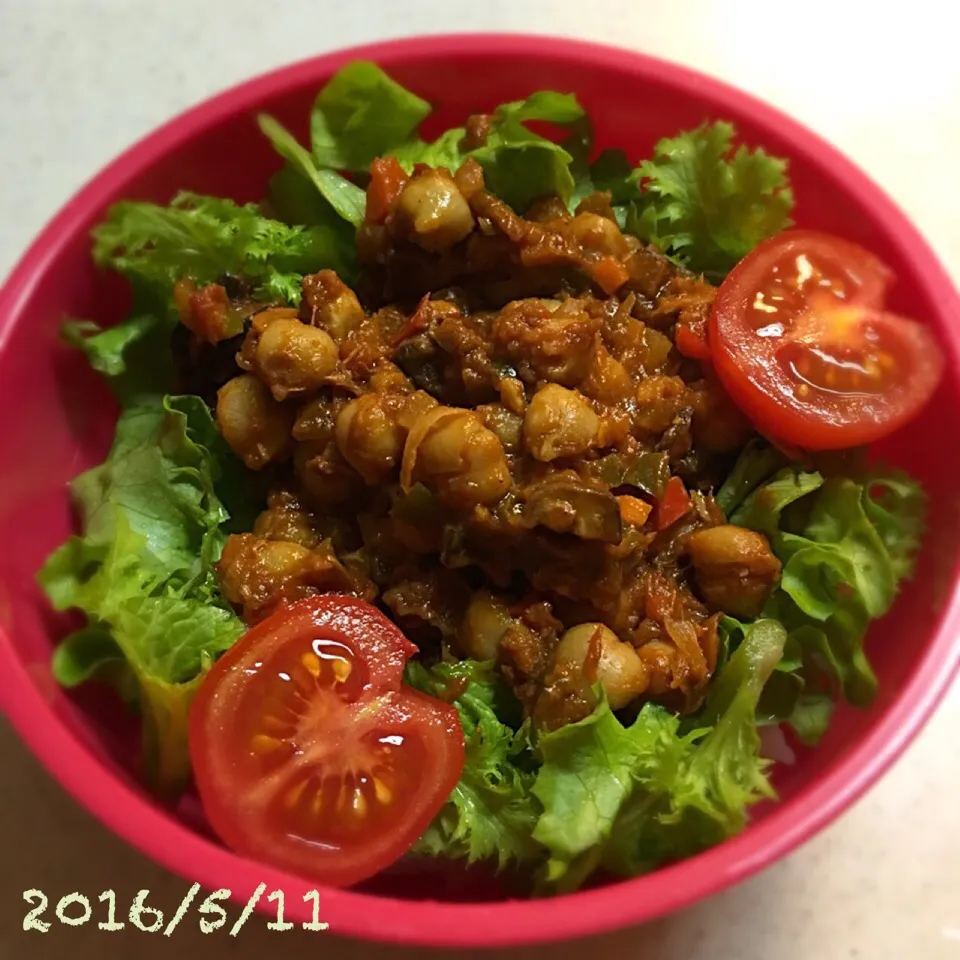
(708, 204)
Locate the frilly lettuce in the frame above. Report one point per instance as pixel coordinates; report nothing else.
(142, 572)
(598, 793)
(846, 545)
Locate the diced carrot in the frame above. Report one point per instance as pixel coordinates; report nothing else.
(674, 503)
(634, 510)
(387, 179)
(609, 274)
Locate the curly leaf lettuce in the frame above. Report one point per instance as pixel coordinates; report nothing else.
(491, 813)
(630, 798)
(846, 546)
(205, 237)
(142, 573)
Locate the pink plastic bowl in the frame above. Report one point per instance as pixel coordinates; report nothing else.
(59, 421)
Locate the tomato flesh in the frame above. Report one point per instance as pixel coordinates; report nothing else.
(674, 504)
(310, 754)
(387, 179)
(799, 340)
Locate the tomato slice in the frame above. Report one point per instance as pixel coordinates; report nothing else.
(801, 344)
(310, 754)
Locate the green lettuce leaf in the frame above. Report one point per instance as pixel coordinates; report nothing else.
(590, 770)
(142, 572)
(206, 237)
(630, 798)
(362, 114)
(708, 204)
(445, 151)
(345, 198)
(134, 356)
(845, 548)
(520, 165)
(491, 813)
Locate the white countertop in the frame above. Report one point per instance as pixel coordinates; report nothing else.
(80, 81)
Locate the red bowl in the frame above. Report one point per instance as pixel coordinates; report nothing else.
(64, 420)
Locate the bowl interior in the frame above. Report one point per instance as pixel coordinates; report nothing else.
(60, 417)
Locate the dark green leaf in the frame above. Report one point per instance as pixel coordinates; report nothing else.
(709, 204)
(362, 114)
(346, 198)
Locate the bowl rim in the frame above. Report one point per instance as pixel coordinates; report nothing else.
(147, 827)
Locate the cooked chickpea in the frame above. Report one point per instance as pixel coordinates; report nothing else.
(559, 423)
(329, 303)
(594, 232)
(451, 451)
(255, 572)
(369, 437)
(483, 626)
(433, 211)
(326, 477)
(293, 357)
(608, 380)
(734, 567)
(620, 671)
(255, 426)
(285, 519)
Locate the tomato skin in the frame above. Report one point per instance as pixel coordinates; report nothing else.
(674, 503)
(364, 763)
(808, 300)
(387, 179)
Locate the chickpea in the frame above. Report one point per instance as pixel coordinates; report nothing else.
(559, 423)
(285, 519)
(389, 378)
(329, 303)
(432, 211)
(620, 671)
(252, 570)
(658, 401)
(327, 478)
(557, 339)
(483, 626)
(369, 437)
(316, 420)
(255, 426)
(664, 665)
(292, 357)
(608, 380)
(506, 424)
(735, 569)
(451, 451)
(718, 425)
(594, 232)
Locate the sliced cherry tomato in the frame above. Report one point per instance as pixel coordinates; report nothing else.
(801, 344)
(310, 754)
(387, 179)
(674, 503)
